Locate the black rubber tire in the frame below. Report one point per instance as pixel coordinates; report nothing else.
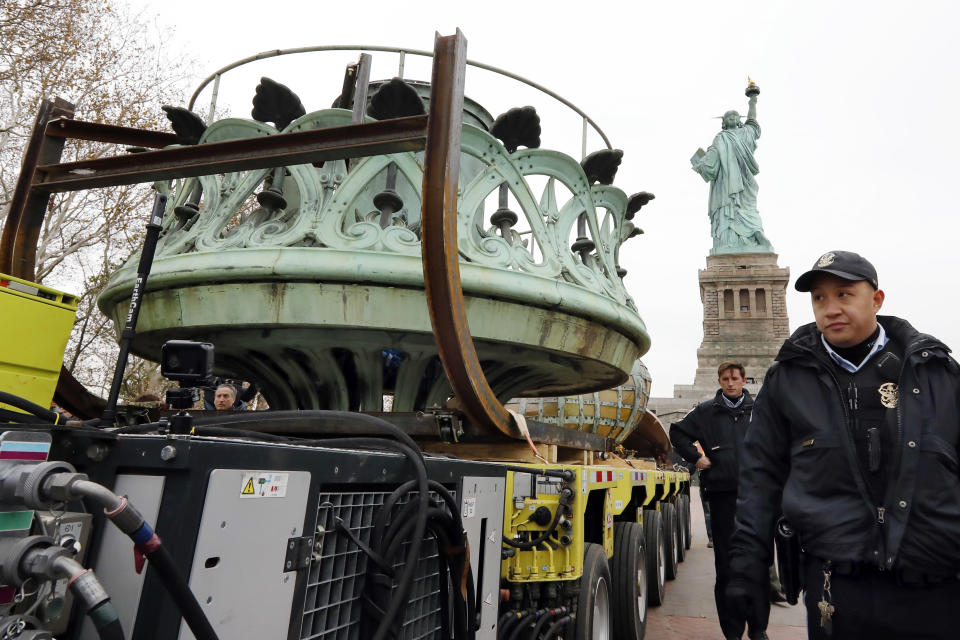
(656, 558)
(669, 513)
(681, 528)
(628, 572)
(688, 539)
(595, 578)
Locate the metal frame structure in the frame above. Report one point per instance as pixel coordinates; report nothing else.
(438, 134)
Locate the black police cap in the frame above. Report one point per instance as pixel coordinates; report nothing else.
(844, 264)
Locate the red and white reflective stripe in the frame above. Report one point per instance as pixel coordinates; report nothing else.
(609, 476)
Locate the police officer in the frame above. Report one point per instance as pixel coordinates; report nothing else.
(719, 426)
(854, 435)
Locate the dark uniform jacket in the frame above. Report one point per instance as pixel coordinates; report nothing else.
(799, 453)
(720, 431)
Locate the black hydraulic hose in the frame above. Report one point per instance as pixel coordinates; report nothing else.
(544, 619)
(32, 408)
(180, 591)
(444, 529)
(453, 525)
(391, 501)
(557, 626)
(526, 623)
(380, 522)
(15, 417)
(320, 416)
(125, 516)
(516, 618)
(537, 628)
(542, 537)
(504, 619)
(419, 524)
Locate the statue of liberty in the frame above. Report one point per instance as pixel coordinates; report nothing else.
(729, 166)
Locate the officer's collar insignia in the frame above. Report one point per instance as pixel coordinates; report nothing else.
(889, 394)
(825, 260)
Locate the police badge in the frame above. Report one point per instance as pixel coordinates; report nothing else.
(889, 394)
(825, 260)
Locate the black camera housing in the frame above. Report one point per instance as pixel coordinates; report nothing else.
(187, 362)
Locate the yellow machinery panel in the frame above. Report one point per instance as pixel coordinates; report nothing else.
(562, 557)
(35, 323)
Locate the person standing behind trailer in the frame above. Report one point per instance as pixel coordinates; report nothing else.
(225, 397)
(855, 435)
(719, 425)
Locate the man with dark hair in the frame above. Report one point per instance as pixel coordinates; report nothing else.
(719, 425)
(854, 437)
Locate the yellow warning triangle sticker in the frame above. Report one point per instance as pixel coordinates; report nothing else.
(248, 488)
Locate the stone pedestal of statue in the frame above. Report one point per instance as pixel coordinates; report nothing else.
(744, 319)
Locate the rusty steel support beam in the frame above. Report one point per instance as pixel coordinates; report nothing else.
(97, 132)
(441, 261)
(18, 244)
(285, 149)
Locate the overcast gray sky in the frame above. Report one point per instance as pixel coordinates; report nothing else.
(858, 106)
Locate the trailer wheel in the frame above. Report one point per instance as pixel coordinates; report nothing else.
(681, 529)
(656, 556)
(688, 528)
(593, 620)
(669, 513)
(628, 571)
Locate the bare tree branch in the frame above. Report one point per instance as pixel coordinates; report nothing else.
(115, 68)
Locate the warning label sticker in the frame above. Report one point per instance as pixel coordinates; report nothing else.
(263, 484)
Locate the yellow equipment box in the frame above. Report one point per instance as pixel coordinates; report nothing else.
(35, 323)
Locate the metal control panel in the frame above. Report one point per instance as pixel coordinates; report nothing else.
(481, 508)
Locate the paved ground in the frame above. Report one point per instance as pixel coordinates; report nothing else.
(689, 611)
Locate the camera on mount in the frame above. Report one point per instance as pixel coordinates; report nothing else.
(189, 363)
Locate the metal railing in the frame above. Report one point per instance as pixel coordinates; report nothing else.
(216, 75)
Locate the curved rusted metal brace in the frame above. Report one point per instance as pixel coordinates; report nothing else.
(441, 261)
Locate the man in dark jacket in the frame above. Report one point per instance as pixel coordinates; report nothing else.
(719, 426)
(854, 437)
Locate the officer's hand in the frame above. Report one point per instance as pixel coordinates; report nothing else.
(703, 462)
(742, 597)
